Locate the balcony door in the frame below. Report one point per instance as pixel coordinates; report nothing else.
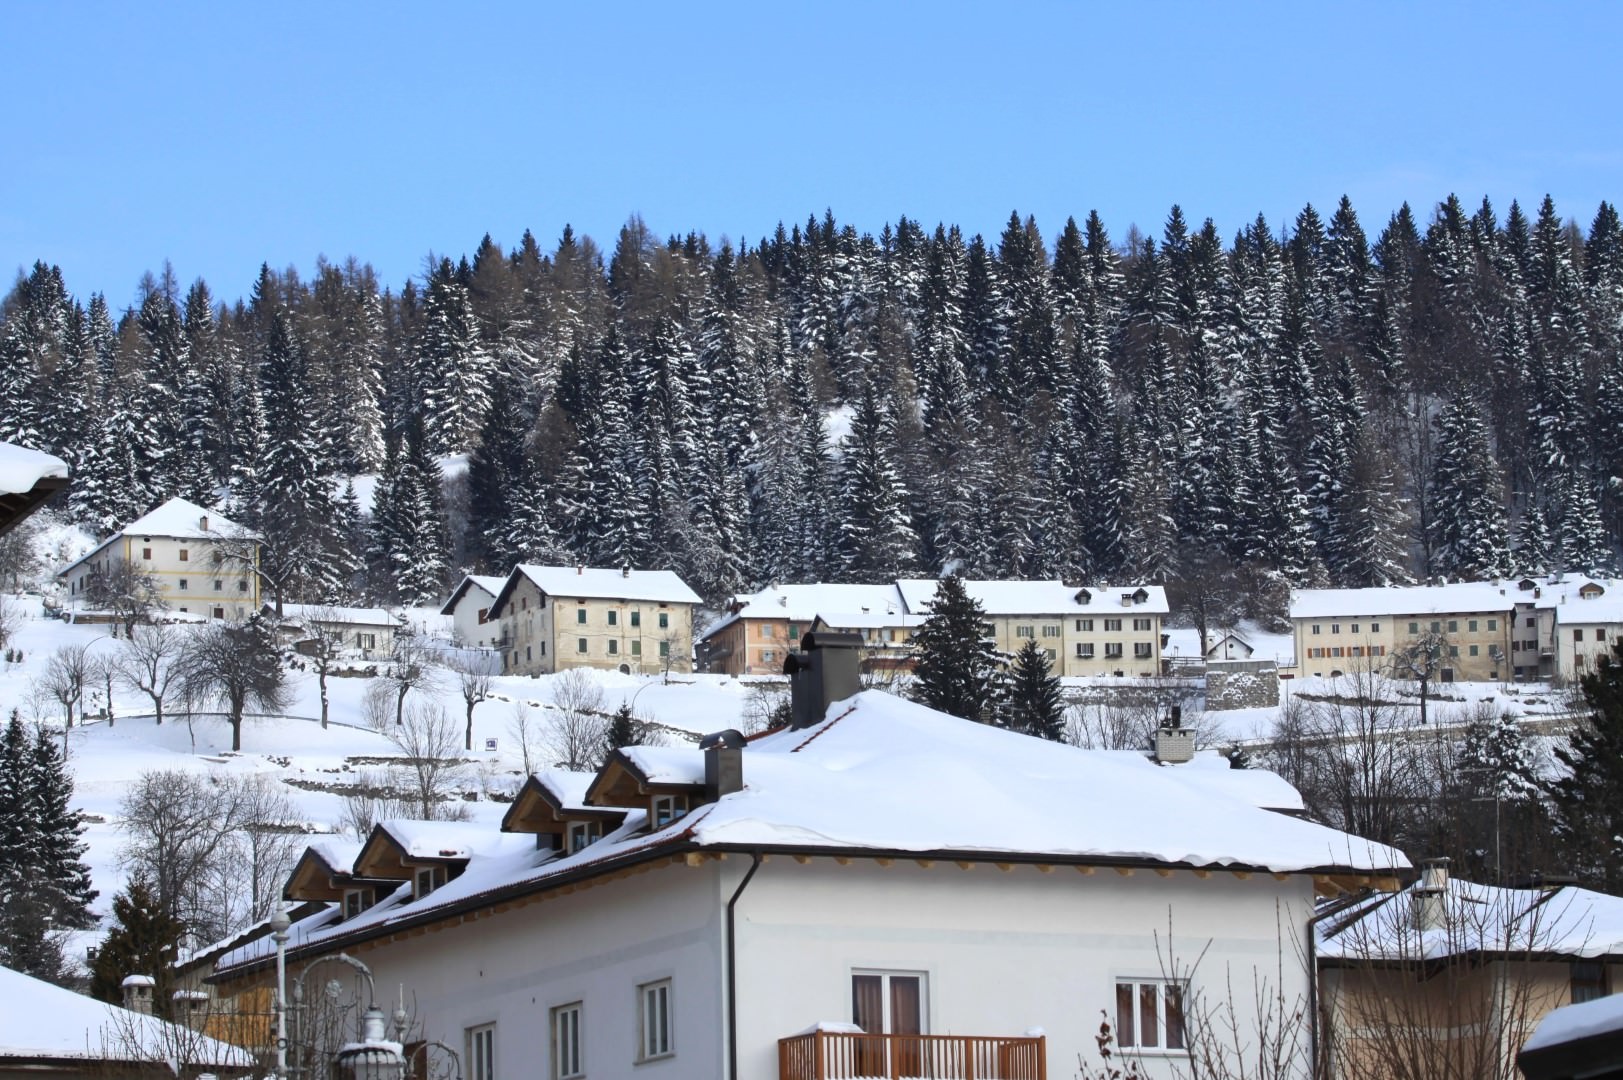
(889, 1003)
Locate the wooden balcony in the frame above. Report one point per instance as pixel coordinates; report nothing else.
(833, 1055)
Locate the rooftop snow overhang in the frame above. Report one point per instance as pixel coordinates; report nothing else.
(16, 506)
(384, 858)
(621, 783)
(537, 809)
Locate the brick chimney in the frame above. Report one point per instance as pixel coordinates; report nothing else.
(824, 671)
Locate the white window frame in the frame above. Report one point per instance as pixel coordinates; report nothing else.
(583, 834)
(1143, 650)
(1131, 1039)
(568, 1054)
(677, 804)
(433, 875)
(886, 975)
(655, 1031)
(481, 1043)
(1084, 650)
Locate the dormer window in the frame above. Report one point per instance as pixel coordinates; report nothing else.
(428, 879)
(583, 834)
(666, 809)
(356, 901)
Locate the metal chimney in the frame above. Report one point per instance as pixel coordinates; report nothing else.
(824, 671)
(723, 763)
(1430, 895)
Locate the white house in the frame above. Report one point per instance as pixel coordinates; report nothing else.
(885, 886)
(469, 609)
(366, 633)
(198, 562)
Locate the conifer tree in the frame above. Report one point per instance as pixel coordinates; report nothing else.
(876, 540)
(1031, 700)
(143, 940)
(1587, 796)
(956, 670)
(1467, 508)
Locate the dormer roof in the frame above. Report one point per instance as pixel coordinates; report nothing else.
(633, 773)
(398, 847)
(550, 800)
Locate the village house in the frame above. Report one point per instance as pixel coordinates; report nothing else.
(1571, 622)
(1450, 978)
(760, 629)
(1458, 632)
(362, 633)
(198, 563)
(553, 618)
(880, 889)
(469, 609)
(1087, 630)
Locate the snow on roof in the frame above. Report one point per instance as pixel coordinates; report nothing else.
(487, 583)
(864, 620)
(1582, 1021)
(663, 586)
(21, 468)
(803, 603)
(1040, 597)
(1209, 772)
(179, 519)
(338, 852)
(569, 788)
(1567, 921)
(445, 839)
(888, 775)
(45, 1021)
(1584, 610)
(351, 615)
(1465, 596)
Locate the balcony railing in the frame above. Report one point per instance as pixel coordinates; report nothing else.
(835, 1055)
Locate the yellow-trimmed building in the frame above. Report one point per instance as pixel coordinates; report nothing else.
(552, 618)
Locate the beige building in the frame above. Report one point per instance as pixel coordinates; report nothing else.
(198, 562)
(1449, 978)
(552, 618)
(760, 629)
(1087, 630)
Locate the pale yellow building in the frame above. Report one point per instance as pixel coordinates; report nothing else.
(552, 618)
(1390, 630)
(198, 562)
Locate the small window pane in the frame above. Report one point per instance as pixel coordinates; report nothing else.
(1148, 1035)
(1124, 1015)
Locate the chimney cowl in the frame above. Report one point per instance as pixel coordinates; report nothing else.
(826, 670)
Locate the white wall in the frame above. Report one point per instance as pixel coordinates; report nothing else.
(1003, 951)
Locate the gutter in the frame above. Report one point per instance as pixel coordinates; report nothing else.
(732, 972)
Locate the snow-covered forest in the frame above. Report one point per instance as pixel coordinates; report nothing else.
(1310, 401)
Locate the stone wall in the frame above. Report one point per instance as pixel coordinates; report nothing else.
(1241, 684)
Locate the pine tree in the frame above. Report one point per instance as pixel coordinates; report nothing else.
(143, 940)
(1470, 540)
(61, 878)
(957, 669)
(622, 730)
(876, 540)
(1031, 700)
(1587, 796)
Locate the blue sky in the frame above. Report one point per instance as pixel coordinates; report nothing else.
(221, 135)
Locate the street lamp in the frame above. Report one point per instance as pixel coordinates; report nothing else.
(280, 922)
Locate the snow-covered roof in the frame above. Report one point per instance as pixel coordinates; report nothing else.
(1570, 1023)
(178, 519)
(803, 603)
(45, 1021)
(567, 787)
(489, 584)
(443, 839)
(870, 620)
(352, 616)
(1041, 597)
(1586, 610)
(21, 469)
(1209, 772)
(657, 586)
(887, 775)
(1460, 598)
(1566, 921)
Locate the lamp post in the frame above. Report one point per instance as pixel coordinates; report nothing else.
(279, 926)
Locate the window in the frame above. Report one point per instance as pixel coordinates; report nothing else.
(356, 901)
(580, 616)
(614, 647)
(1141, 625)
(614, 618)
(636, 648)
(1414, 628)
(1149, 1014)
(182, 584)
(1577, 635)
(1336, 652)
(184, 555)
(1317, 628)
(1053, 631)
(1471, 626)
(1354, 628)
(1375, 628)
(219, 612)
(636, 618)
(1113, 649)
(1453, 626)
(1112, 625)
(583, 834)
(482, 1053)
(428, 879)
(654, 1020)
(1084, 649)
(1493, 624)
(1600, 633)
(1529, 623)
(366, 641)
(242, 584)
(766, 631)
(1141, 650)
(794, 632)
(1437, 627)
(664, 648)
(888, 1003)
(1085, 625)
(767, 656)
(146, 553)
(1474, 650)
(666, 809)
(484, 615)
(566, 1057)
(1588, 981)
(218, 585)
(580, 645)
(1335, 628)
(1453, 650)
(1052, 655)
(664, 620)
(1024, 631)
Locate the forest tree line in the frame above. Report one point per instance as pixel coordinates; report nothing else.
(1301, 405)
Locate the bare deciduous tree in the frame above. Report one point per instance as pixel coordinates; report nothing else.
(130, 592)
(10, 619)
(522, 726)
(427, 739)
(574, 732)
(410, 668)
(149, 662)
(66, 674)
(473, 679)
(323, 643)
(237, 665)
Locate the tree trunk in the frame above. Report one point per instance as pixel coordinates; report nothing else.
(467, 739)
(322, 680)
